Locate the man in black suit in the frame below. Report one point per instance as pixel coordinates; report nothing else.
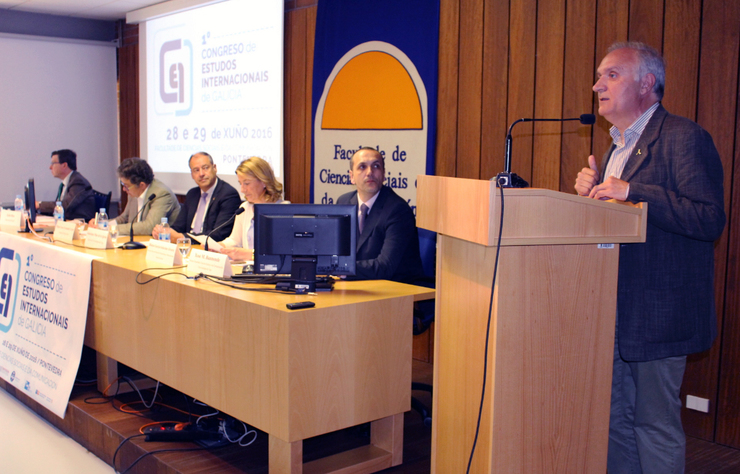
(208, 205)
(388, 242)
(665, 298)
(75, 191)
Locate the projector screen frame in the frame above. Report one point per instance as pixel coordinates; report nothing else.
(180, 181)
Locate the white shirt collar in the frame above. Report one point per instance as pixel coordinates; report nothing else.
(213, 186)
(369, 203)
(143, 198)
(65, 181)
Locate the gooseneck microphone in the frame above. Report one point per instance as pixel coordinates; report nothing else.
(238, 211)
(507, 179)
(131, 245)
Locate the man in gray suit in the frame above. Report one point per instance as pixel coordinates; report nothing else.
(146, 194)
(665, 299)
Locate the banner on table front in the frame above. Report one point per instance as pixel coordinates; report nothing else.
(374, 85)
(44, 293)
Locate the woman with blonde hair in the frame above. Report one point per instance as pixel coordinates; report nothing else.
(258, 183)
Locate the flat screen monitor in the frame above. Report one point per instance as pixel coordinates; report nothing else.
(30, 194)
(303, 241)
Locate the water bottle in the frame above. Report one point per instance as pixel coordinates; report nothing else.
(19, 205)
(164, 234)
(58, 212)
(102, 219)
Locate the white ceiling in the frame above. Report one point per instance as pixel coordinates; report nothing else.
(96, 9)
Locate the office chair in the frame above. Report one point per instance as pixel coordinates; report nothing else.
(102, 200)
(424, 311)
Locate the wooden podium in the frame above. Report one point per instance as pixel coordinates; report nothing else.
(550, 349)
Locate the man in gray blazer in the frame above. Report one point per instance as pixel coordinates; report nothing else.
(665, 302)
(137, 179)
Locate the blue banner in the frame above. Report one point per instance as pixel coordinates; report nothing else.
(374, 84)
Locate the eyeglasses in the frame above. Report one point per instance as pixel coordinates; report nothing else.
(205, 168)
(55, 163)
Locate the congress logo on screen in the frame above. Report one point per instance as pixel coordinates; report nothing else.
(10, 272)
(175, 77)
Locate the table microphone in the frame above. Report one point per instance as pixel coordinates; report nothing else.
(238, 211)
(507, 179)
(131, 245)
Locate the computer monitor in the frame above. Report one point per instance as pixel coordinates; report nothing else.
(30, 195)
(303, 241)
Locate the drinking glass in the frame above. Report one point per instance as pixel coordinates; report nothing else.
(81, 227)
(113, 229)
(183, 246)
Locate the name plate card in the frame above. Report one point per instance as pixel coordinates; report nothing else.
(66, 232)
(98, 239)
(209, 263)
(163, 252)
(11, 221)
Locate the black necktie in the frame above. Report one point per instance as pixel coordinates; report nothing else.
(363, 215)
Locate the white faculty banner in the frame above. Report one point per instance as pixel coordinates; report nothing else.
(44, 293)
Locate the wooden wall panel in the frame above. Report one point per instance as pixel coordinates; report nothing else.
(522, 41)
(288, 72)
(548, 93)
(297, 115)
(310, 37)
(128, 86)
(577, 94)
(494, 97)
(682, 27)
(644, 24)
(717, 112)
(500, 61)
(728, 406)
(449, 46)
(612, 20)
(681, 53)
(470, 76)
(128, 98)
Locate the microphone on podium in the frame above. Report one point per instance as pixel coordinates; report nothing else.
(238, 211)
(131, 245)
(507, 179)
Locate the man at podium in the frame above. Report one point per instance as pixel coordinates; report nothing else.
(665, 302)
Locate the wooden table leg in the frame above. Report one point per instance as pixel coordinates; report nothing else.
(107, 373)
(385, 450)
(285, 457)
(107, 369)
(387, 434)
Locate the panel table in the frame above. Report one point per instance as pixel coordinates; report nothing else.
(292, 374)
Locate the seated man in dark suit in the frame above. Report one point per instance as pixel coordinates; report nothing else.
(387, 241)
(207, 206)
(75, 192)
